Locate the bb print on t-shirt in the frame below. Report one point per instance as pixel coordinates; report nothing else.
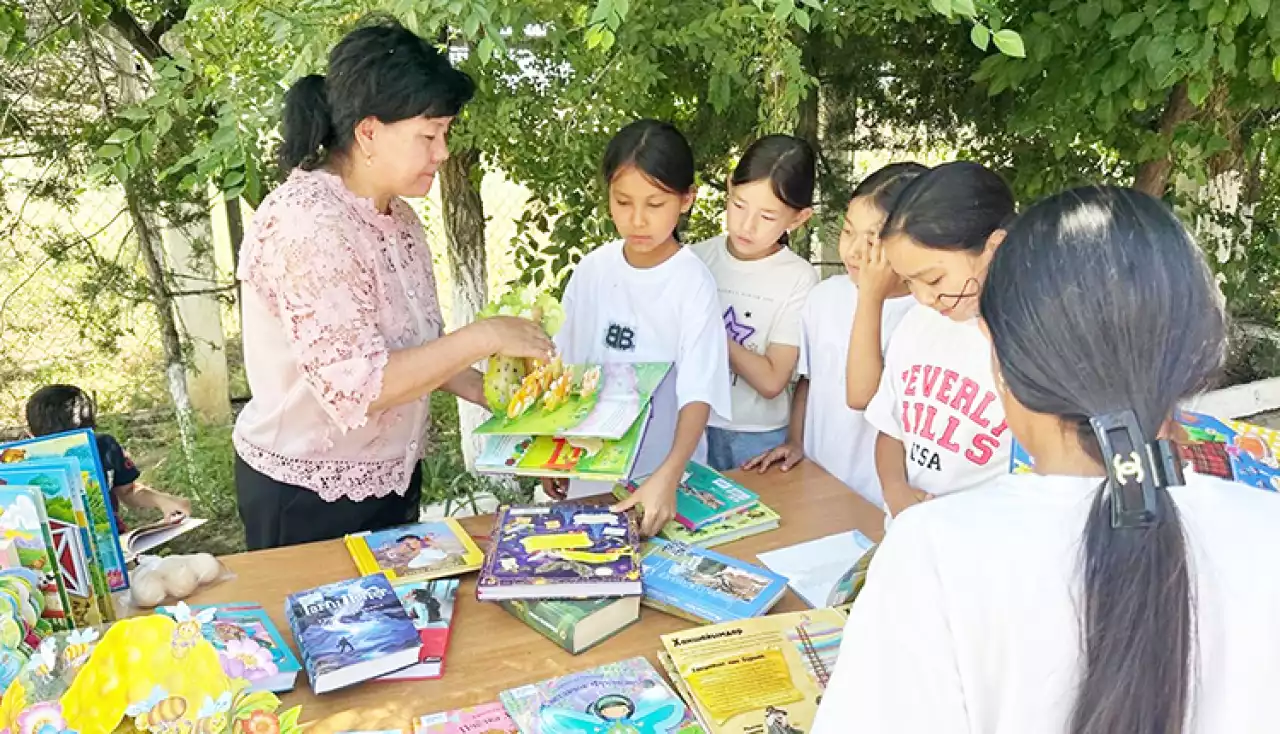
(620, 337)
(940, 404)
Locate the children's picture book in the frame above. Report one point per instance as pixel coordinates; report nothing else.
(146, 538)
(351, 631)
(489, 718)
(626, 696)
(60, 483)
(576, 625)
(555, 456)
(682, 688)
(249, 645)
(23, 520)
(704, 586)
(705, 496)
(586, 401)
(562, 551)
(757, 519)
(82, 445)
(814, 569)
(765, 674)
(418, 552)
(430, 605)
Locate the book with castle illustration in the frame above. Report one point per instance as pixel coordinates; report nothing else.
(579, 401)
(555, 456)
(351, 631)
(765, 674)
(82, 446)
(418, 552)
(24, 522)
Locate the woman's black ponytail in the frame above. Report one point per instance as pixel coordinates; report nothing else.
(308, 124)
(1097, 302)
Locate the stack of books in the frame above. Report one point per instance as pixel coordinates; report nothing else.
(573, 421)
(711, 509)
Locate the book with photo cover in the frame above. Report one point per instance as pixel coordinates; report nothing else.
(418, 552)
(704, 586)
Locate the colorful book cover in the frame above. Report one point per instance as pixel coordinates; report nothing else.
(576, 625)
(815, 569)
(752, 521)
(705, 496)
(249, 645)
(23, 520)
(351, 631)
(626, 696)
(418, 552)
(706, 586)
(60, 483)
(489, 718)
(608, 412)
(563, 550)
(83, 446)
(430, 605)
(580, 458)
(765, 674)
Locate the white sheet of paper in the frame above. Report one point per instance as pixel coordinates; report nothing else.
(812, 568)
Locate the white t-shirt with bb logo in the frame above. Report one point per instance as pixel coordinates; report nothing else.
(938, 396)
(615, 313)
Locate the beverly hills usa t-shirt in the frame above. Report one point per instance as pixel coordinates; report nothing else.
(761, 302)
(616, 313)
(837, 437)
(938, 396)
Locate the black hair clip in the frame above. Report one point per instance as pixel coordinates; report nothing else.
(1136, 469)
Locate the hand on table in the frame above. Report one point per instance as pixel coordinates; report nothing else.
(786, 457)
(656, 498)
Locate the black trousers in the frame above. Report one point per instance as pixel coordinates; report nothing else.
(276, 514)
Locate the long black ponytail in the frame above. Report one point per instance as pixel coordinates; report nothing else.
(1099, 301)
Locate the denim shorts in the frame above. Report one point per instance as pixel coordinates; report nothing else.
(728, 449)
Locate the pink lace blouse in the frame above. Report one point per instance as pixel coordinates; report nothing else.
(331, 286)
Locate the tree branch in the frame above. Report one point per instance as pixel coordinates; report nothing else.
(171, 16)
(124, 21)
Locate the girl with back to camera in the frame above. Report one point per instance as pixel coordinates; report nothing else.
(1108, 592)
(646, 298)
(847, 321)
(941, 426)
(762, 286)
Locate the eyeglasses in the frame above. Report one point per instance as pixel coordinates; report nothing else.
(952, 301)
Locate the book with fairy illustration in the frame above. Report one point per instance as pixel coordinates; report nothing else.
(765, 674)
(578, 401)
(351, 631)
(418, 552)
(23, 521)
(818, 570)
(62, 486)
(576, 625)
(628, 695)
(430, 605)
(576, 458)
(705, 496)
(489, 718)
(561, 551)
(706, 587)
(249, 645)
(82, 445)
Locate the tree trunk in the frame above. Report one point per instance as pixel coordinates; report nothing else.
(1153, 176)
(464, 230)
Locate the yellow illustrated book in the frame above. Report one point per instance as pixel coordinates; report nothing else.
(419, 552)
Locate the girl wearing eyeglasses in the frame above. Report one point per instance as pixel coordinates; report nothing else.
(941, 427)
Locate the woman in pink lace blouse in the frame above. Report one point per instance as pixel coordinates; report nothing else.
(344, 342)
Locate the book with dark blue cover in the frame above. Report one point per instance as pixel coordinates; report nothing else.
(704, 586)
(351, 631)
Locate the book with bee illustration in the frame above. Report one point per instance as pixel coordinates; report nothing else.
(562, 551)
(248, 644)
(570, 458)
(351, 631)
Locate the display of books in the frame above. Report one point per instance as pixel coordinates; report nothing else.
(248, 644)
(418, 552)
(564, 551)
(576, 625)
(704, 496)
(351, 631)
(758, 675)
(816, 568)
(704, 586)
(574, 458)
(588, 401)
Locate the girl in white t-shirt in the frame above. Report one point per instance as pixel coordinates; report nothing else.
(847, 320)
(646, 298)
(762, 286)
(1107, 594)
(941, 426)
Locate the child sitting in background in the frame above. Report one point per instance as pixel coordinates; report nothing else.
(61, 408)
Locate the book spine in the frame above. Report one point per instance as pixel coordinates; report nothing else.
(358, 547)
(560, 631)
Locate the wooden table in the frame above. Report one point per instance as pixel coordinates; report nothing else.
(490, 651)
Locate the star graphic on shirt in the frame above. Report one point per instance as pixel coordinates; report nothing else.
(738, 331)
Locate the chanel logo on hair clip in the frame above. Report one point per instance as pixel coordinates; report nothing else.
(1136, 469)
